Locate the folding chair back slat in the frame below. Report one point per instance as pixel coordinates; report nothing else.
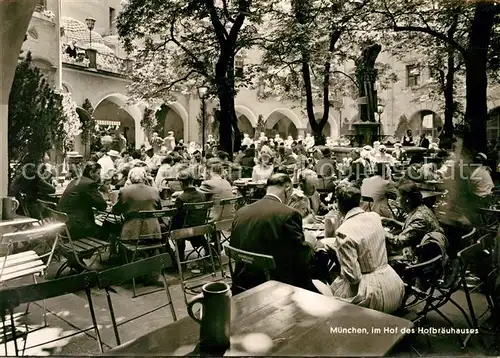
(127, 272)
(193, 231)
(196, 214)
(151, 214)
(55, 288)
(49, 231)
(265, 263)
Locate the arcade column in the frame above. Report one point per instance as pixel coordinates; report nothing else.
(15, 16)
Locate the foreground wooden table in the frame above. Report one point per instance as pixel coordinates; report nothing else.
(279, 319)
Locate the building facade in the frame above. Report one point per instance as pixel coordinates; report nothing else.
(59, 39)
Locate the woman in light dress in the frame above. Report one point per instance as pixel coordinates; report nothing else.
(366, 279)
(264, 167)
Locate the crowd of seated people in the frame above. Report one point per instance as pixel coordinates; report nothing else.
(362, 191)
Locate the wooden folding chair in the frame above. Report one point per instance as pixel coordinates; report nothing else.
(118, 275)
(14, 266)
(143, 242)
(420, 282)
(45, 213)
(182, 234)
(196, 214)
(265, 263)
(10, 298)
(224, 226)
(446, 288)
(75, 250)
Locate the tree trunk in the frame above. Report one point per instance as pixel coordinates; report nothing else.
(236, 143)
(226, 102)
(449, 103)
(476, 113)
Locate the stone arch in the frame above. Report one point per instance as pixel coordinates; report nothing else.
(133, 123)
(46, 67)
(285, 112)
(418, 125)
(248, 113)
(171, 123)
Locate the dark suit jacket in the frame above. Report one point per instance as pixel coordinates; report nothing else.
(272, 228)
(134, 198)
(77, 201)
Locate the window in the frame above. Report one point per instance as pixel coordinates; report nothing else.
(40, 5)
(112, 18)
(412, 75)
(239, 62)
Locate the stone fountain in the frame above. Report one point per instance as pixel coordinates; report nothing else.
(367, 128)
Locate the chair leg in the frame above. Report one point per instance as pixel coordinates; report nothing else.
(133, 280)
(44, 306)
(169, 297)
(4, 336)
(94, 321)
(13, 327)
(113, 319)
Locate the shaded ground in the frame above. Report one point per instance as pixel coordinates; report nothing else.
(71, 312)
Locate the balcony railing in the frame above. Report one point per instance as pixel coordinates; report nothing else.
(109, 63)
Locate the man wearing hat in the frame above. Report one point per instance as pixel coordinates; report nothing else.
(107, 163)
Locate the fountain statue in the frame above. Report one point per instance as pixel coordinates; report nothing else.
(367, 129)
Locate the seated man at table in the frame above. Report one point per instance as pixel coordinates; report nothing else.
(217, 188)
(182, 219)
(366, 279)
(79, 199)
(270, 227)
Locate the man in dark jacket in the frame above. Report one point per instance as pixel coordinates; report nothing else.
(270, 227)
(184, 219)
(79, 199)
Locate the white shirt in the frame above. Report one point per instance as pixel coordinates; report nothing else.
(482, 184)
(107, 166)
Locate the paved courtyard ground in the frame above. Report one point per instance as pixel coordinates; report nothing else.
(71, 312)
